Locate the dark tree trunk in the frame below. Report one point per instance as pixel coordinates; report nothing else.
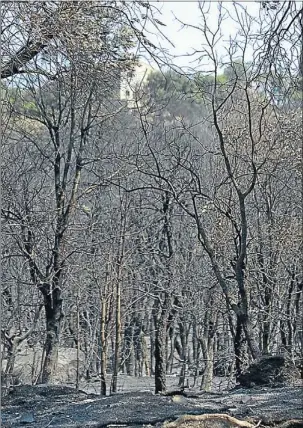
(160, 360)
(196, 352)
(160, 313)
(240, 346)
(207, 345)
(152, 349)
(250, 339)
(184, 343)
(265, 335)
(103, 359)
(53, 316)
(163, 303)
(103, 348)
(237, 346)
(283, 334)
(266, 318)
(117, 335)
(243, 316)
(170, 359)
(129, 349)
(103, 384)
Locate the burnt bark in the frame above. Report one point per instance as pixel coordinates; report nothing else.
(129, 349)
(207, 342)
(184, 332)
(152, 350)
(160, 314)
(118, 338)
(160, 357)
(53, 317)
(240, 346)
(163, 301)
(25, 54)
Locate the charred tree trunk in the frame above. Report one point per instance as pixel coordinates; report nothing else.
(249, 336)
(240, 348)
(207, 345)
(118, 291)
(184, 343)
(53, 316)
(103, 346)
(196, 350)
(152, 347)
(163, 301)
(118, 338)
(160, 321)
(160, 358)
(170, 359)
(129, 356)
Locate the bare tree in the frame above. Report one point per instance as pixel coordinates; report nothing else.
(244, 127)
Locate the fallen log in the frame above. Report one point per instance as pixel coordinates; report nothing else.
(214, 420)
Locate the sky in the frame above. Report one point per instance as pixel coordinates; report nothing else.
(184, 39)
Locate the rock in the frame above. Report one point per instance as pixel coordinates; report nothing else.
(178, 399)
(246, 399)
(272, 371)
(27, 418)
(28, 364)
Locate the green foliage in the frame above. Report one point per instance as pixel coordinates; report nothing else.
(181, 95)
(172, 93)
(222, 79)
(237, 70)
(163, 86)
(30, 107)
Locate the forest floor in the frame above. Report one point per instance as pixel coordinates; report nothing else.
(62, 406)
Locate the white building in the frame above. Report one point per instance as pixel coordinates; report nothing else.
(133, 81)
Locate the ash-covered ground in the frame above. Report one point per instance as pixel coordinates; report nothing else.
(62, 406)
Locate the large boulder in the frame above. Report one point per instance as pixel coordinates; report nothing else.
(28, 365)
(272, 371)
